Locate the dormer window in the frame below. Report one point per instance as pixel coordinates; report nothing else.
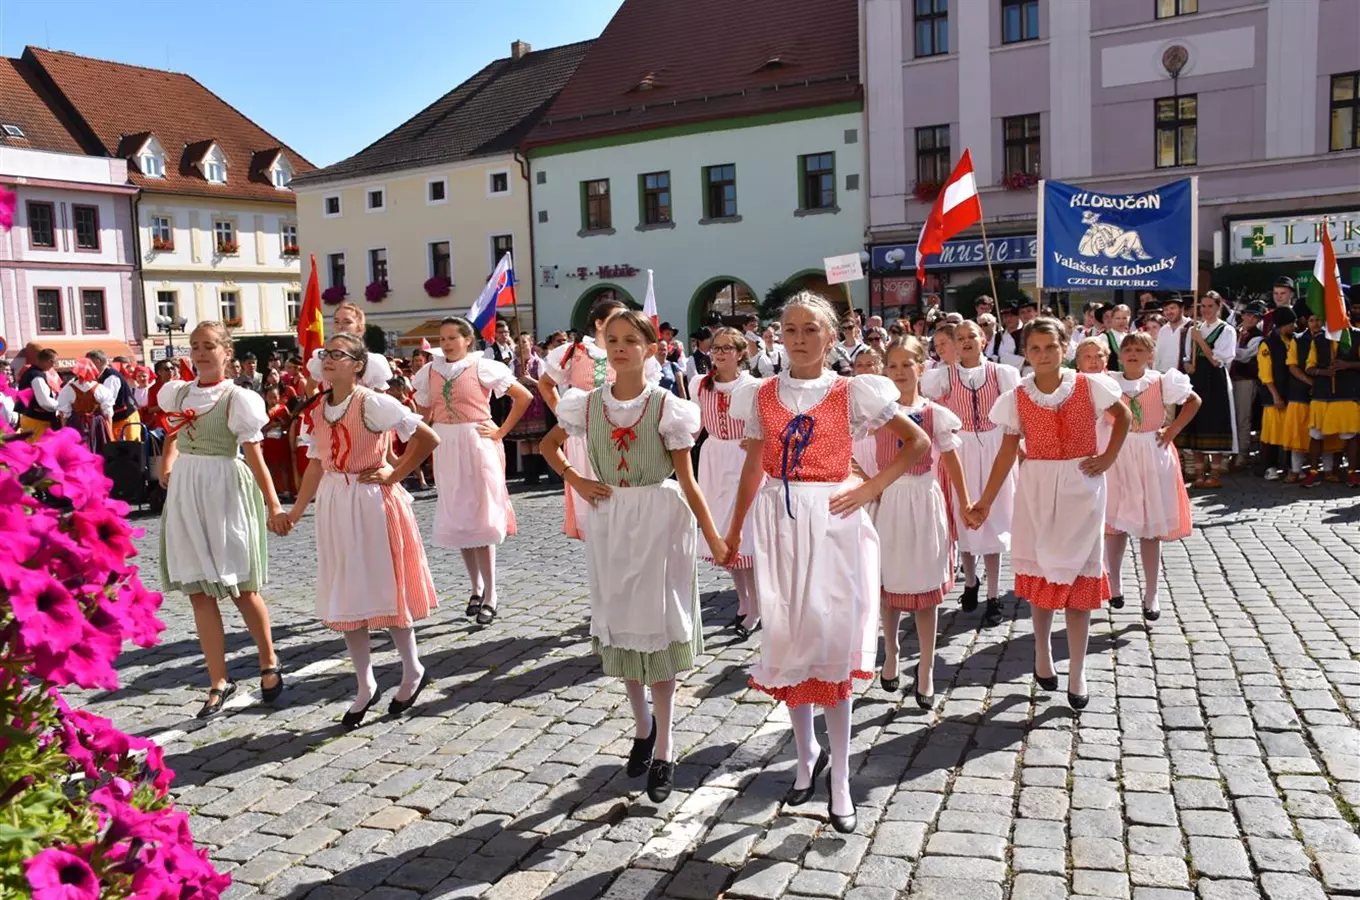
(152, 166)
(280, 173)
(281, 178)
(215, 172)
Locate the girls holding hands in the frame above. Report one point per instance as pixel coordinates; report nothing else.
(642, 556)
(814, 549)
(371, 569)
(969, 390)
(1146, 491)
(721, 462)
(217, 507)
(913, 520)
(1060, 495)
(474, 514)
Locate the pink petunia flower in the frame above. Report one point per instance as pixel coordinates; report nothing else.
(136, 607)
(49, 617)
(88, 663)
(58, 874)
(104, 533)
(78, 474)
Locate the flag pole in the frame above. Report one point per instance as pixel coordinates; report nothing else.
(987, 252)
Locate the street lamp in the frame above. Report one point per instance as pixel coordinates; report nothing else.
(170, 325)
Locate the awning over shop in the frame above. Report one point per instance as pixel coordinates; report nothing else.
(71, 349)
(427, 330)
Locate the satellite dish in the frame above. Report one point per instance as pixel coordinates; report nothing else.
(1174, 59)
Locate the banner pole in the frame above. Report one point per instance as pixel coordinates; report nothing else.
(987, 252)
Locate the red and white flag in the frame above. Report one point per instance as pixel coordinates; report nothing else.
(956, 208)
(649, 302)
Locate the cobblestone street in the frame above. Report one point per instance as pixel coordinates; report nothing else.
(1219, 758)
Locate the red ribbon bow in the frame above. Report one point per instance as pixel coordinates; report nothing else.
(341, 443)
(179, 420)
(623, 438)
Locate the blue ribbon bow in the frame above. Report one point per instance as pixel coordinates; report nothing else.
(796, 437)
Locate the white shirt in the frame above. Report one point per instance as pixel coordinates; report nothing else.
(678, 425)
(873, 400)
(552, 363)
(935, 383)
(1006, 412)
(382, 412)
(1175, 385)
(495, 377)
(103, 395)
(1168, 351)
(764, 362)
(43, 395)
(246, 418)
(1012, 354)
(1224, 349)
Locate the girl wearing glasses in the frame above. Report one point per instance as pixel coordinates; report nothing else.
(371, 568)
(721, 462)
(474, 514)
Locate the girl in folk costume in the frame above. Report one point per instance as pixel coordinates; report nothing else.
(721, 462)
(87, 405)
(1333, 413)
(969, 389)
(217, 507)
(913, 521)
(1145, 492)
(1091, 357)
(474, 514)
(813, 545)
(583, 365)
(371, 569)
(275, 447)
(1059, 519)
(945, 346)
(350, 319)
(642, 556)
(864, 451)
(1210, 346)
(1277, 385)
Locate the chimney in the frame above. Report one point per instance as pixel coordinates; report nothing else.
(519, 49)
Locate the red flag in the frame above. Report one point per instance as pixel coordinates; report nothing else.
(956, 208)
(310, 333)
(186, 371)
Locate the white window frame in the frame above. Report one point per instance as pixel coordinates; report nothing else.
(221, 310)
(339, 206)
(235, 234)
(14, 131)
(491, 244)
(169, 228)
(440, 180)
(152, 161)
(429, 258)
(369, 190)
(290, 313)
(283, 234)
(281, 175)
(174, 311)
(209, 166)
(509, 183)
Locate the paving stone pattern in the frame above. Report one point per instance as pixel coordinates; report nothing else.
(1219, 758)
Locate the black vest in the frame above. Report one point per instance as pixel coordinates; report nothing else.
(1300, 391)
(1279, 364)
(1348, 380)
(33, 410)
(124, 403)
(1249, 369)
(1324, 386)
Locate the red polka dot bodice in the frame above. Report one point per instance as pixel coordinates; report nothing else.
(827, 455)
(1067, 432)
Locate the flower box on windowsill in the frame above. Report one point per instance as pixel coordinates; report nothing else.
(927, 191)
(376, 291)
(438, 286)
(333, 294)
(291, 251)
(1019, 181)
(228, 248)
(162, 245)
(232, 323)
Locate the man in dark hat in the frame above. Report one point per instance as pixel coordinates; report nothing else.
(1013, 349)
(1244, 372)
(1272, 371)
(1282, 294)
(1169, 340)
(1009, 322)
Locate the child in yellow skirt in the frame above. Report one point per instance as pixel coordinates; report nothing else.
(1334, 413)
(1299, 397)
(1272, 367)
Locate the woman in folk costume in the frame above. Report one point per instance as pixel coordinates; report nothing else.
(1059, 522)
(1145, 491)
(864, 451)
(371, 569)
(814, 547)
(350, 319)
(969, 389)
(87, 405)
(217, 508)
(1210, 346)
(474, 514)
(642, 556)
(913, 521)
(723, 457)
(584, 366)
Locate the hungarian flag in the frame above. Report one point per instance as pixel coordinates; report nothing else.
(310, 332)
(649, 303)
(1324, 293)
(956, 208)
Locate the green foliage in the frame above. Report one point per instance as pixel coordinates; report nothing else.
(775, 298)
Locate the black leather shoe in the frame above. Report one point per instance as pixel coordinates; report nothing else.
(352, 720)
(640, 757)
(742, 631)
(992, 615)
(1117, 602)
(968, 602)
(891, 685)
(398, 707)
(844, 824)
(1046, 684)
(217, 698)
(270, 694)
(1078, 701)
(660, 778)
(1152, 615)
(486, 615)
(474, 606)
(922, 700)
(799, 796)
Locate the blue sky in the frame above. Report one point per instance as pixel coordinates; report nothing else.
(328, 77)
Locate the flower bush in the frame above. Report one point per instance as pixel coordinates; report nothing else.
(926, 191)
(162, 244)
(438, 286)
(376, 291)
(85, 810)
(333, 294)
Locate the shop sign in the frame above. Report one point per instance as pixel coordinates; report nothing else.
(961, 254)
(604, 273)
(1090, 241)
(1293, 238)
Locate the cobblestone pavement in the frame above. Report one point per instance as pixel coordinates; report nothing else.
(1219, 758)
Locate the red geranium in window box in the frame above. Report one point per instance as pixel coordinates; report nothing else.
(333, 294)
(228, 248)
(162, 244)
(927, 191)
(291, 250)
(438, 286)
(1019, 181)
(375, 292)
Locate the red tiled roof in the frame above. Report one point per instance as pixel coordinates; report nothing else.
(672, 62)
(24, 102)
(120, 105)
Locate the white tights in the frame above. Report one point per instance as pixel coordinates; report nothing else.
(663, 697)
(747, 605)
(1150, 551)
(805, 742)
(361, 654)
(481, 566)
(992, 563)
(1078, 623)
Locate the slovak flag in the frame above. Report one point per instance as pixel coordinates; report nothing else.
(499, 292)
(956, 208)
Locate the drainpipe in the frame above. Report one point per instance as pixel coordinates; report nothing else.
(138, 293)
(529, 193)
